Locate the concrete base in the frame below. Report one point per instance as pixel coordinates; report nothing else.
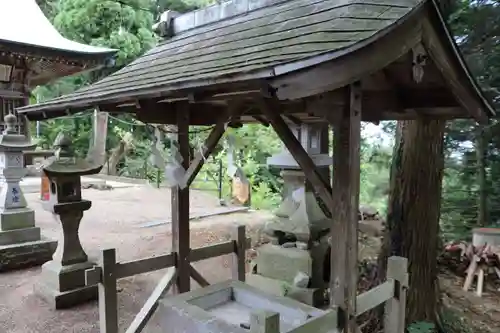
(24, 255)
(65, 299)
(64, 286)
(17, 219)
(310, 296)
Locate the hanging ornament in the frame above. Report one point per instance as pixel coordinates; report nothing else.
(174, 172)
(156, 157)
(231, 166)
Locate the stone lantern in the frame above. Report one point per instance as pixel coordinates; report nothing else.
(299, 231)
(21, 244)
(63, 278)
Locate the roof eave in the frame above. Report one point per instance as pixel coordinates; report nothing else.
(42, 51)
(43, 111)
(472, 83)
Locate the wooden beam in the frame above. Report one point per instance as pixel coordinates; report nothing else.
(270, 108)
(374, 297)
(134, 267)
(200, 157)
(180, 206)
(346, 161)
(215, 250)
(198, 277)
(151, 304)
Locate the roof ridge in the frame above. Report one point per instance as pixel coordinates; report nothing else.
(176, 23)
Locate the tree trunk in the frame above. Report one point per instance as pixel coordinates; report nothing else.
(414, 210)
(481, 151)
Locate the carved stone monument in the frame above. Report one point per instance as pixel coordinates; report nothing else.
(293, 263)
(21, 244)
(63, 278)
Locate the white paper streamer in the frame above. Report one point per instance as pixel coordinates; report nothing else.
(174, 172)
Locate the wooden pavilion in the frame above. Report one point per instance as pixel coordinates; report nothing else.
(291, 61)
(32, 53)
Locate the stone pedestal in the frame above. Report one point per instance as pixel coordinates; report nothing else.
(21, 243)
(62, 281)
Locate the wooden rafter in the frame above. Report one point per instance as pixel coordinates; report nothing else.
(207, 149)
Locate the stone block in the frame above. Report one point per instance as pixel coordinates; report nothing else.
(64, 286)
(282, 263)
(65, 278)
(66, 299)
(20, 218)
(24, 255)
(20, 236)
(310, 296)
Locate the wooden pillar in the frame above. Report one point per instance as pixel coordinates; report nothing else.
(345, 191)
(180, 208)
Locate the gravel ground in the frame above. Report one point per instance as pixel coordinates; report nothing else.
(116, 220)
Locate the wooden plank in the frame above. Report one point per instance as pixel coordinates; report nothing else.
(374, 297)
(264, 322)
(346, 162)
(180, 207)
(270, 108)
(395, 309)
(130, 268)
(108, 300)
(239, 255)
(198, 277)
(215, 250)
(208, 147)
(151, 304)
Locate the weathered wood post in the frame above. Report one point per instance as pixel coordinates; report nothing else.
(239, 255)
(104, 276)
(180, 208)
(63, 278)
(345, 186)
(21, 243)
(395, 309)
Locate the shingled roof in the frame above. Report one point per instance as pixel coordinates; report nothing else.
(252, 45)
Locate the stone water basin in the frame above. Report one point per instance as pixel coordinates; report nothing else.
(227, 307)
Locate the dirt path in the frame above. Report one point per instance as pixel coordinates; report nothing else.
(116, 221)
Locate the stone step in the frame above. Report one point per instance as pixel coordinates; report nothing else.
(24, 255)
(18, 236)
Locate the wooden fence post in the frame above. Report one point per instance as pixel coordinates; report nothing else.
(264, 322)
(239, 255)
(395, 309)
(104, 276)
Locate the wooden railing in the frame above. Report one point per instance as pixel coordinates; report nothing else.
(108, 271)
(392, 292)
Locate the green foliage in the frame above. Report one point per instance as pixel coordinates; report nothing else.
(123, 25)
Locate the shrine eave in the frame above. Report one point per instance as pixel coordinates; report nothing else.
(231, 55)
(25, 28)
